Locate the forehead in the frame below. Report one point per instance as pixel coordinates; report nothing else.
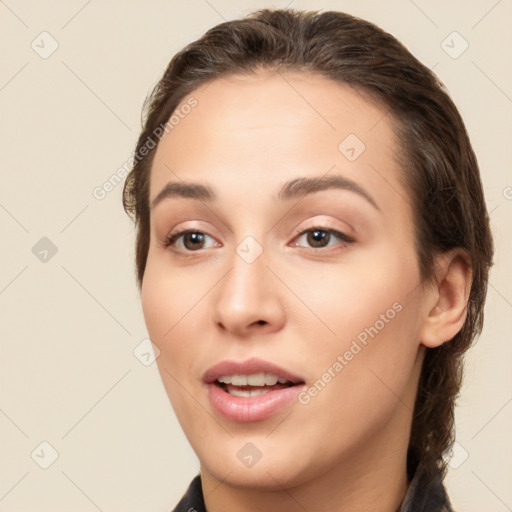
(264, 128)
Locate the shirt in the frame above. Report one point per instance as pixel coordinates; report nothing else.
(423, 495)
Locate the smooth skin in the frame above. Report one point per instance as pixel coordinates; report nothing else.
(301, 303)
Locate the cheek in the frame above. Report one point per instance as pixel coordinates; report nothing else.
(363, 381)
(176, 307)
(349, 298)
(170, 299)
(157, 298)
(372, 315)
(168, 308)
(373, 353)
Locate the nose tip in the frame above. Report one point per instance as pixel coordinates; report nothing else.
(248, 298)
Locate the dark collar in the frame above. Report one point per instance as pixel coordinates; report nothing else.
(193, 500)
(424, 495)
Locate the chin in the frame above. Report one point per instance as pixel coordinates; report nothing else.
(261, 477)
(255, 463)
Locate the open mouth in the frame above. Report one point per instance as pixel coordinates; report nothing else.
(256, 384)
(250, 390)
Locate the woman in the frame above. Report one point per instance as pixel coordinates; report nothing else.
(313, 251)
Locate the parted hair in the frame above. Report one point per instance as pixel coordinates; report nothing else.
(438, 164)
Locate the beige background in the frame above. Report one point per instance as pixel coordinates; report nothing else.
(69, 325)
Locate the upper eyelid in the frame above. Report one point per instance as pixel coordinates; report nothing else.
(296, 233)
(315, 224)
(340, 234)
(177, 234)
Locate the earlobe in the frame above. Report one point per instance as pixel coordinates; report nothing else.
(449, 295)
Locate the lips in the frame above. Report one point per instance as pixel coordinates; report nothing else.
(250, 390)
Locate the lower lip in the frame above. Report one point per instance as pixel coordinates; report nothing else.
(255, 408)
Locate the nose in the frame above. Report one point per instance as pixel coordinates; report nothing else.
(248, 299)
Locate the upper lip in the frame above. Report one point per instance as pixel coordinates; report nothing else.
(248, 367)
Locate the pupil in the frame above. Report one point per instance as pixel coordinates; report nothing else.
(318, 237)
(196, 239)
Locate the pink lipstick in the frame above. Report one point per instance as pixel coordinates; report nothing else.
(250, 390)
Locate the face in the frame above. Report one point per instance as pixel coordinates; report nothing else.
(288, 314)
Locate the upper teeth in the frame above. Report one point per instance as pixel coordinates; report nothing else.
(255, 379)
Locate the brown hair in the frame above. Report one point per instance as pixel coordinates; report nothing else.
(438, 162)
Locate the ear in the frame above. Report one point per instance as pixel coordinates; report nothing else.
(447, 298)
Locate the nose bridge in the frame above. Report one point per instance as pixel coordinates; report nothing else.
(247, 294)
(243, 283)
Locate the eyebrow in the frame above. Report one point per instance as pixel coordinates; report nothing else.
(295, 188)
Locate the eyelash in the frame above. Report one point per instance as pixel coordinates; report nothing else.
(171, 239)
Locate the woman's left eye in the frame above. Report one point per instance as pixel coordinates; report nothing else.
(319, 237)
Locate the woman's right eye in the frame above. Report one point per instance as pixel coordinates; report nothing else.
(192, 240)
